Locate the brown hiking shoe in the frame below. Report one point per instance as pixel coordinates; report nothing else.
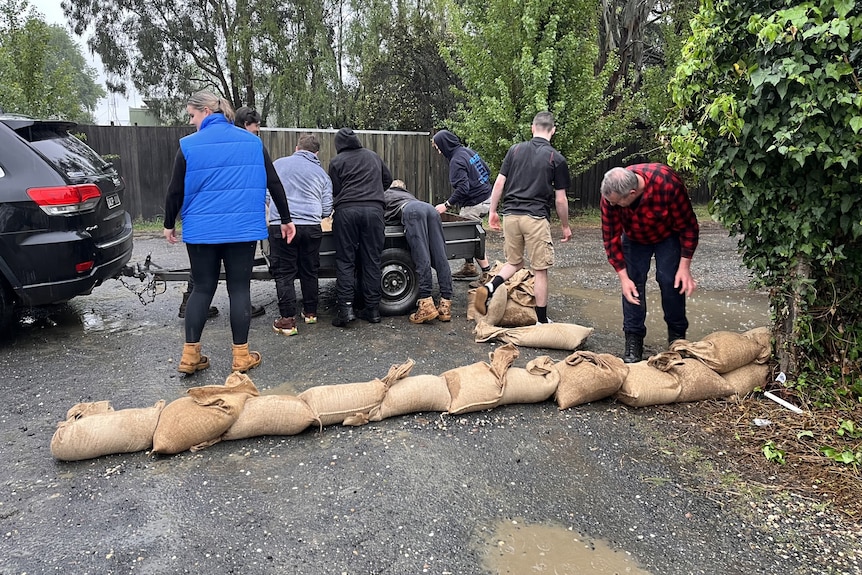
(486, 277)
(444, 310)
(426, 312)
(468, 271)
(483, 294)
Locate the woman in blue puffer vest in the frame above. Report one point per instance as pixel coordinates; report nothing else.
(218, 189)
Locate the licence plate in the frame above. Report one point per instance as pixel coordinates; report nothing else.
(113, 201)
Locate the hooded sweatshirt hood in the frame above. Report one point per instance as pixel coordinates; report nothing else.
(345, 139)
(447, 143)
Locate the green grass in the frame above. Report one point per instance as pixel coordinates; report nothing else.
(155, 225)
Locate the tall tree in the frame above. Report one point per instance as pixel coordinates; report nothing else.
(404, 83)
(42, 71)
(516, 58)
(769, 101)
(240, 49)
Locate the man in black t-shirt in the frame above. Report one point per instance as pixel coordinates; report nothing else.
(533, 173)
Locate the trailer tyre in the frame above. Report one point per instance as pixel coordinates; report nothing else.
(399, 286)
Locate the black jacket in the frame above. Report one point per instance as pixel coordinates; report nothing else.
(358, 175)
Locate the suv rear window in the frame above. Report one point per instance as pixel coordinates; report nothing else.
(69, 154)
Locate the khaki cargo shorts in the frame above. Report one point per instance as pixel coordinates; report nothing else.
(476, 212)
(531, 233)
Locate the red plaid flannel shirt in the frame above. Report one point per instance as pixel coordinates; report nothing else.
(664, 209)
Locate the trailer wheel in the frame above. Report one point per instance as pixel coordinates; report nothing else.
(399, 286)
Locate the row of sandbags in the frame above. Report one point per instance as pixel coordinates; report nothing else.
(511, 317)
(721, 365)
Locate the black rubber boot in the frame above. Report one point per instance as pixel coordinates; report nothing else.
(211, 312)
(672, 336)
(343, 316)
(634, 348)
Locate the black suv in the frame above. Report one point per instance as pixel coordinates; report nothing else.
(63, 229)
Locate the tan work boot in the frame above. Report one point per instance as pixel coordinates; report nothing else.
(444, 310)
(192, 359)
(243, 359)
(468, 271)
(426, 312)
(485, 278)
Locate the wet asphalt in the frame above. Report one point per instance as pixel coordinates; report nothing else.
(412, 494)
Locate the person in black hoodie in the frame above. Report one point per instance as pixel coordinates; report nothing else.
(471, 191)
(359, 177)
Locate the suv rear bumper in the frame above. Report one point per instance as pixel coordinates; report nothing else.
(110, 256)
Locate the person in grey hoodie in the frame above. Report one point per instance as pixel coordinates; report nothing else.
(309, 192)
(359, 177)
(470, 178)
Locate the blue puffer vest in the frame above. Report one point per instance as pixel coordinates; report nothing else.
(225, 184)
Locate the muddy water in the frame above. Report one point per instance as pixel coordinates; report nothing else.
(515, 547)
(707, 311)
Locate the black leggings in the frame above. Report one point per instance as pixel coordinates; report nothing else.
(206, 261)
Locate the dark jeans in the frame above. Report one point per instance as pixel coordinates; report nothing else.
(424, 233)
(206, 261)
(358, 232)
(299, 258)
(667, 256)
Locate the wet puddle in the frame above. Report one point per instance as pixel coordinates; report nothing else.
(707, 312)
(514, 547)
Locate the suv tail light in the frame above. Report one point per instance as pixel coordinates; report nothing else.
(66, 200)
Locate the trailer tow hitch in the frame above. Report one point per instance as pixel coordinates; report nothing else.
(153, 284)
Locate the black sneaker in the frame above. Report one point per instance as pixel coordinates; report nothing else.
(370, 315)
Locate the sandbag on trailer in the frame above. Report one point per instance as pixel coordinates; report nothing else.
(200, 420)
(586, 376)
(95, 429)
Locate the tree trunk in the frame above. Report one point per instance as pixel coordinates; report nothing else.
(791, 308)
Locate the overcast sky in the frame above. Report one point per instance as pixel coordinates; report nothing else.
(111, 108)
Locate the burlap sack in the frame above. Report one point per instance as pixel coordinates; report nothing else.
(95, 429)
(533, 384)
(745, 379)
(763, 336)
(413, 395)
(334, 403)
(696, 381)
(200, 420)
(645, 385)
(722, 351)
(271, 415)
(480, 385)
(566, 336)
(84, 409)
(586, 376)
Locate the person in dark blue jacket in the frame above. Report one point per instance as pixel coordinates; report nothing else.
(218, 190)
(471, 191)
(359, 177)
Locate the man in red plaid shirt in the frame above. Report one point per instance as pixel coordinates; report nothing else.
(646, 212)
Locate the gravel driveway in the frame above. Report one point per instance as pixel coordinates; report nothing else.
(422, 493)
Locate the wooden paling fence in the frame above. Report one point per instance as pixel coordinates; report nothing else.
(144, 156)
